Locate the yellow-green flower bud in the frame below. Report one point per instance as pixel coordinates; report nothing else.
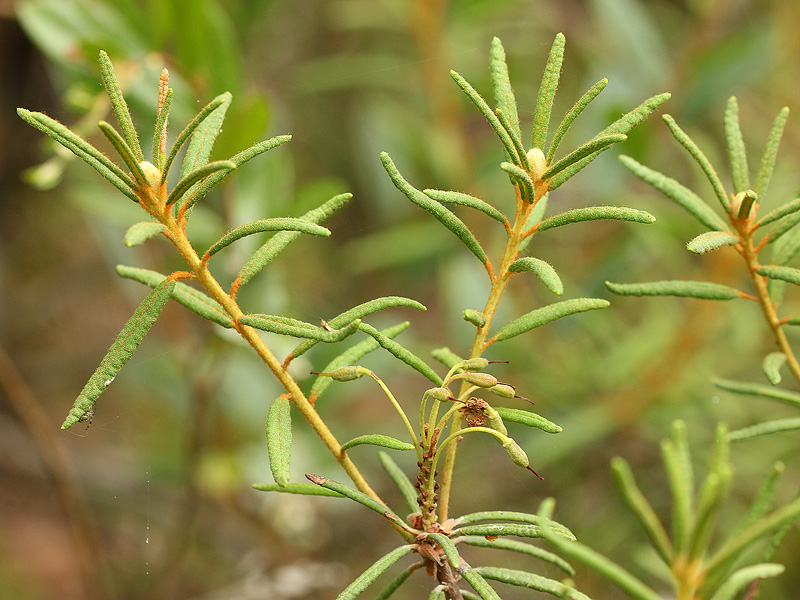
(538, 162)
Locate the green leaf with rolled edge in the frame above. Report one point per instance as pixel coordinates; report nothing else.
(680, 194)
(376, 439)
(296, 328)
(547, 314)
(351, 356)
(737, 154)
(488, 113)
(526, 417)
(766, 428)
(702, 290)
(501, 85)
(547, 91)
(394, 584)
(400, 479)
(82, 149)
(519, 547)
(199, 149)
(302, 489)
(594, 213)
(678, 464)
(782, 211)
(756, 389)
(770, 153)
(711, 240)
(530, 581)
(786, 226)
(521, 179)
(279, 439)
(354, 494)
(513, 516)
(515, 138)
(543, 270)
(772, 366)
(450, 550)
(359, 312)
(701, 160)
(449, 197)
(573, 114)
(622, 125)
(595, 145)
(478, 583)
(198, 192)
(442, 214)
(139, 233)
(398, 351)
(372, 573)
(160, 129)
(189, 130)
(264, 225)
(121, 350)
(196, 177)
(789, 274)
(447, 357)
(268, 251)
(119, 105)
(195, 300)
(125, 152)
(744, 577)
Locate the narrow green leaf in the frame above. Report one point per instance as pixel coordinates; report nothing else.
(442, 214)
(376, 570)
(743, 577)
(515, 139)
(295, 328)
(546, 314)
(492, 529)
(121, 350)
(594, 213)
(196, 177)
(125, 152)
(766, 495)
(737, 155)
(787, 226)
(703, 290)
(161, 129)
(526, 417)
(778, 272)
(351, 356)
(449, 197)
(573, 114)
(479, 584)
(279, 439)
(450, 551)
(119, 105)
(476, 317)
(445, 356)
(593, 146)
(82, 149)
(543, 270)
(681, 195)
(772, 366)
(711, 240)
(398, 351)
(528, 580)
(519, 547)
(766, 428)
(513, 516)
(678, 463)
(701, 160)
(359, 312)
(188, 130)
(612, 571)
(199, 149)
(376, 439)
(303, 489)
(196, 193)
(195, 300)
(622, 125)
(354, 494)
(711, 497)
(521, 178)
(782, 211)
(488, 113)
(547, 91)
(501, 84)
(636, 501)
(755, 389)
(400, 479)
(770, 153)
(393, 585)
(263, 225)
(139, 233)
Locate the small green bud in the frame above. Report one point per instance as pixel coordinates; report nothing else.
(494, 420)
(441, 394)
(475, 317)
(515, 452)
(348, 373)
(504, 390)
(484, 380)
(475, 364)
(537, 161)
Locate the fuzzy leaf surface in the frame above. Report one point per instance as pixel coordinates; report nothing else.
(772, 366)
(200, 145)
(547, 314)
(526, 417)
(737, 154)
(449, 197)
(530, 581)
(594, 213)
(756, 389)
(119, 105)
(398, 351)
(295, 328)
(376, 439)
(547, 92)
(302, 489)
(372, 573)
(263, 225)
(711, 240)
(139, 233)
(703, 290)
(765, 428)
(400, 479)
(543, 270)
(279, 439)
(767, 164)
(519, 547)
(573, 114)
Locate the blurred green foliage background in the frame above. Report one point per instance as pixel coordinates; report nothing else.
(166, 465)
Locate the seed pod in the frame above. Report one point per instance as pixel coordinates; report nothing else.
(504, 390)
(441, 394)
(484, 380)
(517, 454)
(348, 373)
(495, 421)
(475, 317)
(475, 364)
